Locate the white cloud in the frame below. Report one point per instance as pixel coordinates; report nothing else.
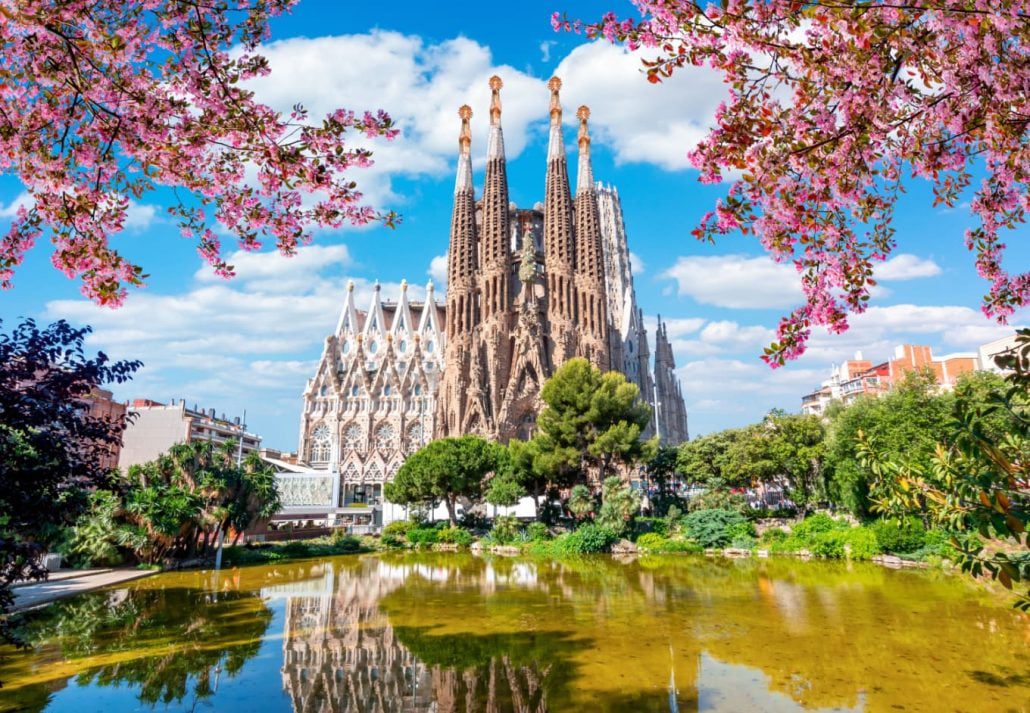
(736, 281)
(272, 272)
(906, 266)
(139, 216)
(252, 340)
(643, 122)
(545, 50)
(420, 85)
(438, 271)
(11, 209)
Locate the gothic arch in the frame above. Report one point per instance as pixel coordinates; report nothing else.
(321, 447)
(351, 436)
(384, 437)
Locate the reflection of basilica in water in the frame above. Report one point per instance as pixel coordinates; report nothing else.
(341, 653)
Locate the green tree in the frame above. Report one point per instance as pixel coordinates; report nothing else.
(619, 505)
(581, 501)
(590, 422)
(444, 470)
(975, 483)
(785, 449)
(179, 504)
(707, 460)
(905, 423)
(52, 448)
(662, 471)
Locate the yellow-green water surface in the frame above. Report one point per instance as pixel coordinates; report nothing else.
(454, 632)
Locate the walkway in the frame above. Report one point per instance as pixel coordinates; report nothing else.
(69, 582)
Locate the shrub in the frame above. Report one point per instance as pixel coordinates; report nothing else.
(655, 525)
(811, 526)
(395, 533)
(905, 536)
(537, 531)
(619, 505)
(423, 536)
(684, 546)
(455, 536)
(588, 539)
(774, 535)
(344, 543)
(651, 542)
(857, 543)
(862, 543)
(710, 528)
(654, 543)
(505, 529)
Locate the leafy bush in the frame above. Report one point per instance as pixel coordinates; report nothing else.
(455, 536)
(654, 543)
(711, 528)
(855, 543)
(93, 539)
(588, 539)
(344, 543)
(651, 542)
(537, 531)
(811, 526)
(619, 504)
(655, 525)
(505, 529)
(395, 533)
(677, 544)
(896, 537)
(774, 535)
(423, 536)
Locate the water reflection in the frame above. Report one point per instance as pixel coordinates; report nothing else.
(168, 644)
(457, 633)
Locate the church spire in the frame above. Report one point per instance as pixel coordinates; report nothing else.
(585, 175)
(592, 312)
(464, 179)
(462, 261)
(559, 257)
(555, 143)
(495, 227)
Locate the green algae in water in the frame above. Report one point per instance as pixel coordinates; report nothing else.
(454, 632)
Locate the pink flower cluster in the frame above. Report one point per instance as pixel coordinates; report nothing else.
(102, 101)
(832, 106)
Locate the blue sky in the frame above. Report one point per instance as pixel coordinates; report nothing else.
(251, 343)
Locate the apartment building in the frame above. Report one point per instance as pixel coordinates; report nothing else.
(155, 427)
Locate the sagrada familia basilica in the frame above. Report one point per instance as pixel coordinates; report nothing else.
(527, 289)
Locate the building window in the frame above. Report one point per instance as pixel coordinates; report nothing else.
(321, 446)
(352, 437)
(384, 436)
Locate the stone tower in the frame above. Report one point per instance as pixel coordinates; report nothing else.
(559, 243)
(592, 303)
(530, 289)
(671, 413)
(462, 291)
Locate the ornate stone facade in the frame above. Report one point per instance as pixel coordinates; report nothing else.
(370, 403)
(527, 289)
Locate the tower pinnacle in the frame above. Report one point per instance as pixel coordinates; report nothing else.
(554, 84)
(585, 176)
(463, 182)
(465, 137)
(495, 99)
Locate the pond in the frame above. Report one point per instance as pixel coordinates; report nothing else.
(456, 632)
